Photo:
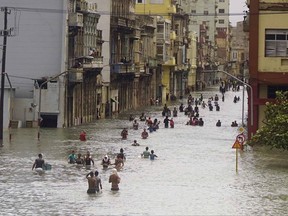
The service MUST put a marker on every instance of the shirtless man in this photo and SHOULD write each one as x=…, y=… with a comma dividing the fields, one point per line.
x=119, y=163
x=91, y=183
x=115, y=180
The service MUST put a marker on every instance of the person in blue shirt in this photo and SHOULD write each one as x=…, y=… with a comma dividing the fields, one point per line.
x=72, y=157
x=152, y=155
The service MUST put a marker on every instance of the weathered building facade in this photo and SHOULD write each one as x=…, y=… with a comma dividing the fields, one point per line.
x=268, y=64
x=84, y=83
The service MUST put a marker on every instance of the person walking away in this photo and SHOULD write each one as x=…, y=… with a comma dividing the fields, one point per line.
x=152, y=155
x=124, y=133
x=72, y=157
x=121, y=154
x=88, y=160
x=146, y=153
x=166, y=122
x=82, y=136
x=119, y=163
x=79, y=160
x=114, y=179
x=135, y=125
x=135, y=143
x=171, y=123
x=175, y=112
x=39, y=162
x=98, y=182
x=218, y=124
x=91, y=183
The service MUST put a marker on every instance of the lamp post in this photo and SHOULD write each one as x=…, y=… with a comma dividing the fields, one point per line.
x=39, y=102
x=11, y=110
x=251, y=90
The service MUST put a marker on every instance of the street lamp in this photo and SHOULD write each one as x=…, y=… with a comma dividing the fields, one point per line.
x=251, y=90
x=11, y=110
x=39, y=107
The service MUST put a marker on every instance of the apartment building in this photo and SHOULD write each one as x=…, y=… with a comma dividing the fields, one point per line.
x=36, y=51
x=268, y=63
x=176, y=45
x=84, y=84
x=222, y=34
x=239, y=53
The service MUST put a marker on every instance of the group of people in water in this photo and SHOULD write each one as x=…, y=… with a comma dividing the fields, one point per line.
x=191, y=110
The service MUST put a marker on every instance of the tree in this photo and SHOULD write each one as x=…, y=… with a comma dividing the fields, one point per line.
x=274, y=133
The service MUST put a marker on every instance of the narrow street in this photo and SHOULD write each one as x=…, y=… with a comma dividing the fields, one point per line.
x=194, y=173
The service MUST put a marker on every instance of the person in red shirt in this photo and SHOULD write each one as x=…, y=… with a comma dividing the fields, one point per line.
x=82, y=136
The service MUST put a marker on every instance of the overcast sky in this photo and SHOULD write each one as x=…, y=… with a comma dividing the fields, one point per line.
x=237, y=6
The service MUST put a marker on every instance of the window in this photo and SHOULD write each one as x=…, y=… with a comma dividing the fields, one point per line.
x=156, y=1
x=271, y=91
x=221, y=21
x=221, y=0
x=276, y=43
x=221, y=10
x=193, y=11
x=140, y=1
x=206, y=12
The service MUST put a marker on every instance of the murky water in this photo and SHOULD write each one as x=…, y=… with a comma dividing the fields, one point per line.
x=194, y=173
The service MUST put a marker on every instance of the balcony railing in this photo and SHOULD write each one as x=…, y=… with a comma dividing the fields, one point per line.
x=123, y=68
x=76, y=19
x=123, y=22
x=92, y=63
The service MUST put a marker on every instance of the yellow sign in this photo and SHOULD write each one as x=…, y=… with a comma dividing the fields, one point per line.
x=237, y=145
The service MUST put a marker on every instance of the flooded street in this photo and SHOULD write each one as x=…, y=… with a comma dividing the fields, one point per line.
x=194, y=173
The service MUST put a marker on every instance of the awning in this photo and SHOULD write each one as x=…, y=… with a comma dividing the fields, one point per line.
x=113, y=100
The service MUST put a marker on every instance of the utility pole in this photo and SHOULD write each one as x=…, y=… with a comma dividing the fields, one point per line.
x=5, y=34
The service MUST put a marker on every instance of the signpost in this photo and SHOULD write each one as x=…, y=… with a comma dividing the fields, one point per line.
x=238, y=144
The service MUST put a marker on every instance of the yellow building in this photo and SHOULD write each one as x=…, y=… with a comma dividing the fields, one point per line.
x=268, y=57
x=163, y=11
x=192, y=60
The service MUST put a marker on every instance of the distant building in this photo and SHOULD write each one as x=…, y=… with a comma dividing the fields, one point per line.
x=239, y=53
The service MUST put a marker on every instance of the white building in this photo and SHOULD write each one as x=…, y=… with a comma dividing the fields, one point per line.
x=35, y=52
x=203, y=12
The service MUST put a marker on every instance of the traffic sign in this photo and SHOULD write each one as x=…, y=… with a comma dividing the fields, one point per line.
x=237, y=145
x=241, y=138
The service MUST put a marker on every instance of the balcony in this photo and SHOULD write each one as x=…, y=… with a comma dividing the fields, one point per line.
x=122, y=22
x=90, y=62
x=123, y=68
x=83, y=6
x=75, y=75
x=76, y=19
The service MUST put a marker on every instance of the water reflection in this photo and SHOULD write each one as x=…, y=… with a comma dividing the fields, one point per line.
x=194, y=173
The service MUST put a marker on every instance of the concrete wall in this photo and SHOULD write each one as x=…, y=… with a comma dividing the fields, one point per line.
x=23, y=111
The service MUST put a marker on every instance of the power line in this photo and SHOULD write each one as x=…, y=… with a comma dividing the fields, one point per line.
x=45, y=10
